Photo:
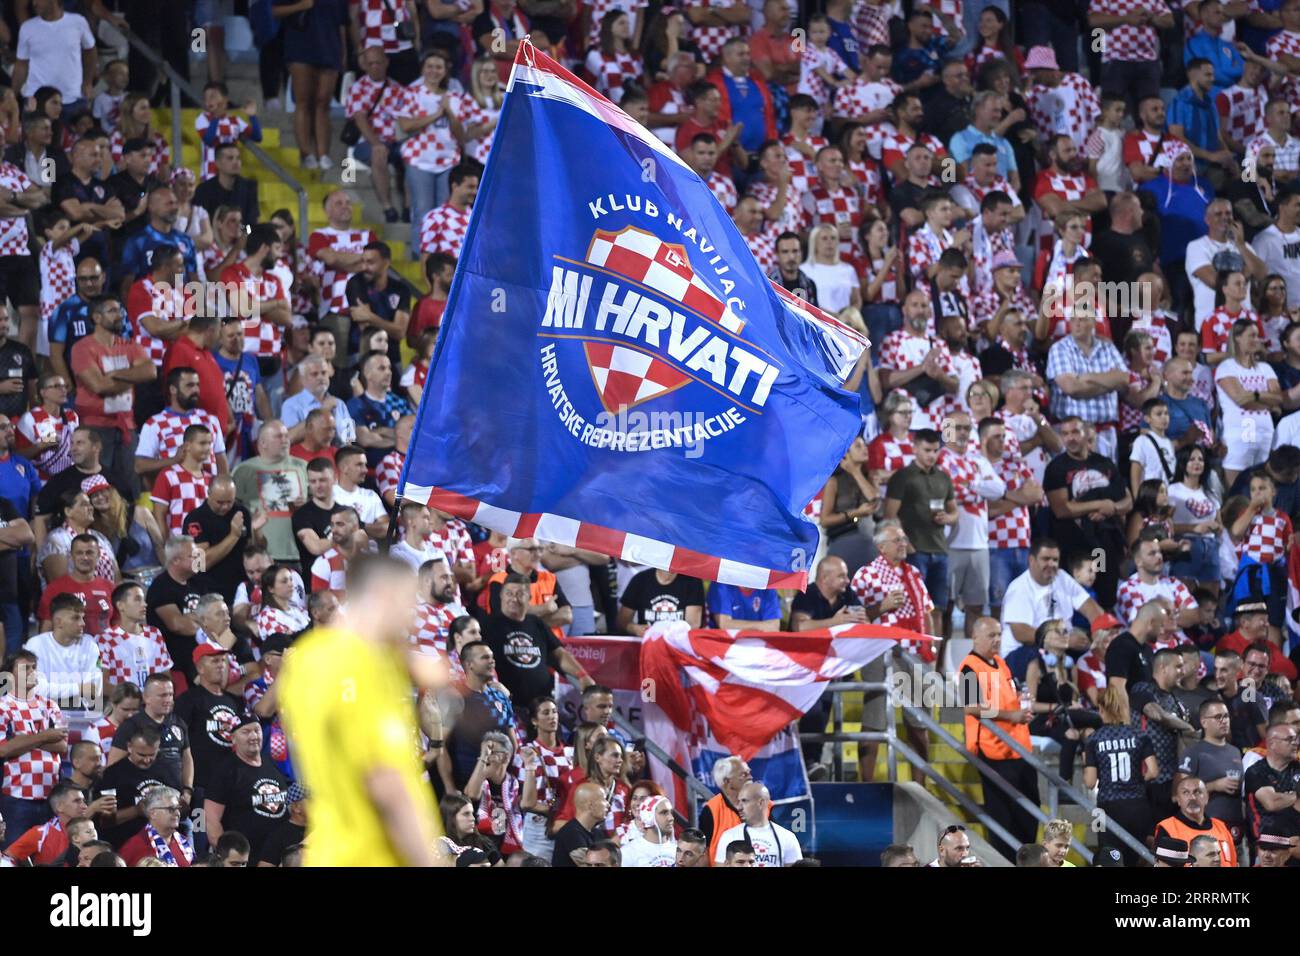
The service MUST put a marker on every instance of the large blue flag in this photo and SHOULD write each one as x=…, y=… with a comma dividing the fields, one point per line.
x=614, y=371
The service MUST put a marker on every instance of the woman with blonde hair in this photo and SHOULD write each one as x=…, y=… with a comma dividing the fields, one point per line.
x=131, y=529
x=136, y=122
x=191, y=219
x=838, y=286
x=482, y=108
x=1118, y=760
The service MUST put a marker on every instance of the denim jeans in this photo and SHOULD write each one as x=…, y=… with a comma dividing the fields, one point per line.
x=934, y=568
x=1005, y=565
x=11, y=616
x=584, y=621
x=21, y=815
x=427, y=191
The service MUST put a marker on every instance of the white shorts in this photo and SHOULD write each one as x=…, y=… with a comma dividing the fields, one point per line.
x=1242, y=455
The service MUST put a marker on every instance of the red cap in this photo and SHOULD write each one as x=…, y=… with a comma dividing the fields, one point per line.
x=1104, y=622
x=207, y=650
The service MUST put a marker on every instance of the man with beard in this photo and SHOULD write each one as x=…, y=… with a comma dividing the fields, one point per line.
x=920, y=363
x=1255, y=200
x=434, y=615
x=248, y=794
x=1065, y=186
x=162, y=435
x=108, y=368
x=379, y=299
x=251, y=282
x=789, y=255
x=137, y=255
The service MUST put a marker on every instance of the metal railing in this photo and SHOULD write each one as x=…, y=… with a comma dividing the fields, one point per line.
x=177, y=86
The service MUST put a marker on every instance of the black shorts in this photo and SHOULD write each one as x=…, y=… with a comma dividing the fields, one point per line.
x=20, y=280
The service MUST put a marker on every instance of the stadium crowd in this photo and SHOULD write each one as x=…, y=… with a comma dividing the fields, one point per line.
x=1080, y=434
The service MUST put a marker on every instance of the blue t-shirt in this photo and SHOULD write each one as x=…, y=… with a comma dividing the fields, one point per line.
x=744, y=604
x=1184, y=411
x=19, y=483
x=963, y=144
x=370, y=413
x=749, y=108
x=137, y=254
x=241, y=392
x=1182, y=214
x=844, y=41
x=71, y=323
x=1227, y=61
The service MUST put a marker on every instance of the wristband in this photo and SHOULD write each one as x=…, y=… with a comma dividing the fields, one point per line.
x=435, y=743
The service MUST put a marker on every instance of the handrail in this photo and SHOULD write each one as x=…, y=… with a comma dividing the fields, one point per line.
x=178, y=86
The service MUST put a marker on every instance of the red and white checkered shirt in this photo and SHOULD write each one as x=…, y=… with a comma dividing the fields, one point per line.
x=1127, y=42
x=1218, y=324
x=791, y=216
x=977, y=58
x=1241, y=111
x=924, y=247
x=389, y=471
x=58, y=276
x=973, y=508
x=180, y=491
x=31, y=775
x=212, y=257
x=876, y=580
x=555, y=763
x=476, y=114
x=810, y=82
x=894, y=146
x=1141, y=147
x=378, y=20
x=984, y=305
x=454, y=541
x=723, y=189
x=1090, y=671
x=434, y=148
x=887, y=453
x=1267, y=537
x=871, y=23
x=1069, y=188
x=862, y=97
x=132, y=657
x=1011, y=530
x=610, y=72
x=762, y=243
x=867, y=172
x=999, y=184
x=1288, y=42
x=163, y=434
x=710, y=39
x=334, y=283
x=230, y=129
x=329, y=572
x=13, y=229
x=38, y=421
x=1133, y=593
x=364, y=97
x=271, y=621
x=803, y=173
x=432, y=627
x=1130, y=418
x=157, y=300
x=832, y=207
x=261, y=338
x=1156, y=326
x=101, y=732
x=443, y=230
x=162, y=153
x=901, y=351
x=1071, y=108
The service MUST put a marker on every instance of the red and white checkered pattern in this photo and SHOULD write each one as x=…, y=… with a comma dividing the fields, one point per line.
x=972, y=529
x=832, y=207
x=644, y=257
x=443, y=230
x=887, y=453
x=101, y=732
x=1241, y=111
x=871, y=23
x=118, y=657
x=710, y=39
x=998, y=184
x=791, y=216
x=58, y=276
x=723, y=189
x=867, y=172
x=1218, y=324
x=13, y=230
x=1069, y=188
x=334, y=283
x=611, y=72
x=162, y=153
x=212, y=257
x=1141, y=147
x=31, y=775
x=163, y=434
x=230, y=129
x=365, y=97
x=762, y=243
x=810, y=81
x=1133, y=593
x=875, y=581
x=1267, y=537
x=1071, y=108
x=1288, y=42
x=1011, y=530
x=432, y=628
x=901, y=351
x=803, y=172
x=478, y=114
x=894, y=146
x=261, y=338
x=554, y=764
x=924, y=247
x=599, y=8
x=156, y=300
x=984, y=305
x=1156, y=326
x=619, y=544
x=434, y=148
x=329, y=572
x=862, y=97
x=389, y=471
x=1127, y=42
x=625, y=377
x=453, y=540
x=1130, y=418
x=272, y=621
x=977, y=58
x=37, y=421
x=378, y=20
x=180, y=491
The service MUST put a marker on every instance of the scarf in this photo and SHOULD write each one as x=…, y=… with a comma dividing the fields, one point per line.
x=504, y=821
x=163, y=851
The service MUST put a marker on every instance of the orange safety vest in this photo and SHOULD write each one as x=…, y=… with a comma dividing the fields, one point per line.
x=1179, y=830
x=539, y=592
x=998, y=689
x=724, y=818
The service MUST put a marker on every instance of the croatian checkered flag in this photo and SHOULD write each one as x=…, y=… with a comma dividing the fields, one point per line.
x=614, y=370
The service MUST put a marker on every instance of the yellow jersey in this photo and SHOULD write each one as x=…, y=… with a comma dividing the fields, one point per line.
x=346, y=705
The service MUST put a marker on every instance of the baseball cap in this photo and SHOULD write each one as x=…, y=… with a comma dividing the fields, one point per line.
x=94, y=483
x=1274, y=832
x=206, y=650
x=1005, y=260
x=1108, y=857
x=1171, y=851
x=1104, y=622
x=246, y=718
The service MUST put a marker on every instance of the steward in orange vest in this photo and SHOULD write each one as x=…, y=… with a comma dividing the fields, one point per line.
x=1191, y=820
x=989, y=690
x=720, y=814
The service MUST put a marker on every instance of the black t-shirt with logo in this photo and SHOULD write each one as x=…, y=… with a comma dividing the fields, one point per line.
x=132, y=783
x=256, y=798
x=1163, y=740
x=1095, y=478
x=175, y=739
x=210, y=718
x=523, y=651
x=205, y=526
x=167, y=590
x=652, y=601
x=311, y=516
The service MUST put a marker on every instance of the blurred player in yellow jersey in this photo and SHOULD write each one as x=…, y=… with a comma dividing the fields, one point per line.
x=348, y=707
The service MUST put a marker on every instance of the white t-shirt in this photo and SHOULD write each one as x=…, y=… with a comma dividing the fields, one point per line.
x=641, y=852
x=1242, y=427
x=1112, y=174
x=575, y=582
x=1191, y=505
x=52, y=49
x=368, y=504
x=773, y=844
x=1145, y=453
x=1202, y=253
x=1281, y=254
x=62, y=670
x=835, y=284
x=1031, y=603
x=971, y=533
x=1288, y=431
x=413, y=556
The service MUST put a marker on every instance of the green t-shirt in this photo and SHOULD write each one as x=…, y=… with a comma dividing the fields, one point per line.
x=920, y=494
x=275, y=488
